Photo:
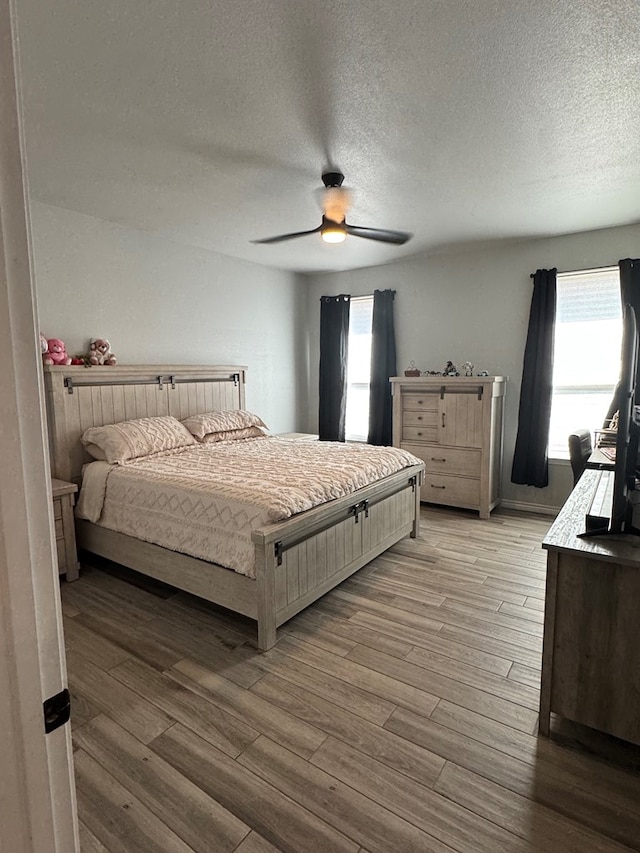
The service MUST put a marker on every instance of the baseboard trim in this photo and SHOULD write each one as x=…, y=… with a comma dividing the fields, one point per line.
x=521, y=506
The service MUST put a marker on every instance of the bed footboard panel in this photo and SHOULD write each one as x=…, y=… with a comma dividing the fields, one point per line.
x=324, y=559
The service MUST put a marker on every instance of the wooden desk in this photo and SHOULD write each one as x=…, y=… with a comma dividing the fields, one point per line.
x=591, y=646
x=598, y=460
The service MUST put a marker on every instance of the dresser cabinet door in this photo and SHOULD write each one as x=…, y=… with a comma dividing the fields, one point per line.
x=460, y=420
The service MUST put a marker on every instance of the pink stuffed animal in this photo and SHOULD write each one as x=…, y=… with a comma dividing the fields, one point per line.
x=56, y=352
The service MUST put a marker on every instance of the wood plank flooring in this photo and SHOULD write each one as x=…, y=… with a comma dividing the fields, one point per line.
x=397, y=714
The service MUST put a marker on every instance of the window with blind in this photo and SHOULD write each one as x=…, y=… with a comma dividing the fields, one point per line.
x=359, y=368
x=586, y=362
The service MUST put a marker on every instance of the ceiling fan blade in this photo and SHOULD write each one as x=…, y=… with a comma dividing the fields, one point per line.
x=282, y=237
x=380, y=234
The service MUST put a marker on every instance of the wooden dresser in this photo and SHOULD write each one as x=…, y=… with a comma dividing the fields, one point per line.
x=63, y=495
x=591, y=653
x=454, y=424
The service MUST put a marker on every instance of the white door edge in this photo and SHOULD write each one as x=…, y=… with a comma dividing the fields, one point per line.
x=37, y=794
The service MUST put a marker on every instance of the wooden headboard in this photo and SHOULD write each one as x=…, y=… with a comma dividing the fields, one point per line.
x=80, y=397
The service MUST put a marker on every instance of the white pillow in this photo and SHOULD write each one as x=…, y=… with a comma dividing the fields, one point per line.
x=132, y=439
x=96, y=452
x=210, y=422
x=234, y=434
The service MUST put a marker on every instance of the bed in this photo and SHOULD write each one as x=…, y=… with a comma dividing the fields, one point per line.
x=295, y=561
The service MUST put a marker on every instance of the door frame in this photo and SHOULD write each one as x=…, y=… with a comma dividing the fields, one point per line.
x=37, y=793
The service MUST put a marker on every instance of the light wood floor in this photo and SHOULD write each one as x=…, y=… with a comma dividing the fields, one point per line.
x=398, y=714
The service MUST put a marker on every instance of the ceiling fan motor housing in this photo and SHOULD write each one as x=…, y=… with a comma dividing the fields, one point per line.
x=332, y=179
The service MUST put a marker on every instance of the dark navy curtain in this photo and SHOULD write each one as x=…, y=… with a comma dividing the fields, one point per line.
x=383, y=365
x=530, y=461
x=334, y=346
x=629, y=294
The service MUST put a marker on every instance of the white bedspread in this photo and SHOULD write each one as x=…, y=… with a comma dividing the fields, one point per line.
x=206, y=500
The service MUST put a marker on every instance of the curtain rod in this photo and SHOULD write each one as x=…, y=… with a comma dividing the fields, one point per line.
x=577, y=272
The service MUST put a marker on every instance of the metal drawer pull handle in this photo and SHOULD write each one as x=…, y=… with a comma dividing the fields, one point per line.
x=433, y=486
x=419, y=433
x=420, y=402
x=435, y=459
x=443, y=415
x=419, y=417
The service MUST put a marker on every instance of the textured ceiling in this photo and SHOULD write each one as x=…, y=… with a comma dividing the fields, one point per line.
x=209, y=123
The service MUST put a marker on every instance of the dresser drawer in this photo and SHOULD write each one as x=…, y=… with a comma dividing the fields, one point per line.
x=450, y=490
x=451, y=460
x=420, y=402
x=62, y=498
x=420, y=418
x=62, y=556
x=57, y=508
x=59, y=527
x=425, y=433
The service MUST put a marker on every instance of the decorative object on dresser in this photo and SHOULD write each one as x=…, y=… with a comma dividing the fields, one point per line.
x=412, y=370
x=454, y=424
x=63, y=495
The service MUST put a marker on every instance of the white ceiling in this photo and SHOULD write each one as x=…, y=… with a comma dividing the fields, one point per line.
x=209, y=123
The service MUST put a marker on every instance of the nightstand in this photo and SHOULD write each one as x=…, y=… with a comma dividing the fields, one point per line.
x=300, y=436
x=63, y=495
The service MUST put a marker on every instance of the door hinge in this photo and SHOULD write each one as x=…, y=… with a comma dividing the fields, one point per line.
x=57, y=710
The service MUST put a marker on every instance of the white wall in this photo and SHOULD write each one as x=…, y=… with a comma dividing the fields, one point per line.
x=472, y=303
x=161, y=302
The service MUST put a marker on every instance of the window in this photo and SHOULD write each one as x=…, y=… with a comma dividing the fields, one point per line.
x=359, y=368
x=586, y=361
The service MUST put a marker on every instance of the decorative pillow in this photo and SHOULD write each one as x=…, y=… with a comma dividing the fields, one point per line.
x=233, y=434
x=208, y=422
x=131, y=439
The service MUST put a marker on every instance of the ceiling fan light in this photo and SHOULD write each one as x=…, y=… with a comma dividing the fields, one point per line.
x=333, y=233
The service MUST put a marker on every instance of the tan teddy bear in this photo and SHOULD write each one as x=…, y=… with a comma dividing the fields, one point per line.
x=100, y=352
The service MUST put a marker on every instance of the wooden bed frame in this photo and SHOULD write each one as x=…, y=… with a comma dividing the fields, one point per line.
x=297, y=560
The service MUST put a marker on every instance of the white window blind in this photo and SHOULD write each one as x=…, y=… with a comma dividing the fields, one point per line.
x=586, y=362
x=359, y=368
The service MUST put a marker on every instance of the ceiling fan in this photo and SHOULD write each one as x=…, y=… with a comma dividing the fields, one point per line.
x=334, y=227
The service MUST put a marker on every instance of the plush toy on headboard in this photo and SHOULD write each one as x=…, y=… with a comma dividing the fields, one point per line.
x=100, y=352
x=56, y=352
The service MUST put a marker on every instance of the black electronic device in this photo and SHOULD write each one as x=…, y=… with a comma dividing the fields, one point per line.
x=618, y=492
